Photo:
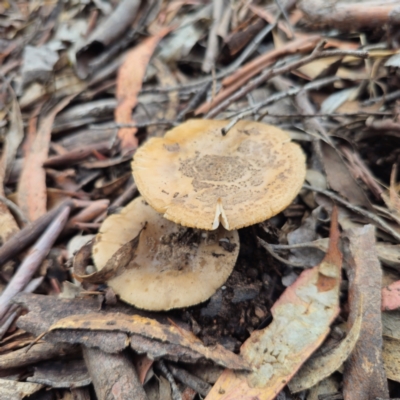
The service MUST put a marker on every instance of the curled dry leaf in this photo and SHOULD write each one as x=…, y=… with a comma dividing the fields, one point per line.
x=301, y=320
x=129, y=83
x=114, y=267
x=321, y=366
x=151, y=329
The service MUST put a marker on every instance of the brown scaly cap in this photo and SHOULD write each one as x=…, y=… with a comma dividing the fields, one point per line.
x=199, y=178
x=174, y=266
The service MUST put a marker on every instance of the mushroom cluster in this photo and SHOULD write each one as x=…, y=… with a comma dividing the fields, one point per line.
x=198, y=185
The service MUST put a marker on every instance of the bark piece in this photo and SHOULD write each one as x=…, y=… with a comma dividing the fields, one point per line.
x=45, y=310
x=17, y=390
x=61, y=374
x=38, y=352
x=113, y=376
x=364, y=376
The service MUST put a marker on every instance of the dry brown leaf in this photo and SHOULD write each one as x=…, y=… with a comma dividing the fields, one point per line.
x=115, y=266
x=339, y=177
x=326, y=363
x=32, y=196
x=301, y=320
x=151, y=329
x=364, y=375
x=129, y=83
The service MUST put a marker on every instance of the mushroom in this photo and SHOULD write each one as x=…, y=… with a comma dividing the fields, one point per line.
x=173, y=266
x=198, y=177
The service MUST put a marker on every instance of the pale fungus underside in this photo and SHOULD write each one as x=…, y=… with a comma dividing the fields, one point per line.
x=199, y=178
x=174, y=266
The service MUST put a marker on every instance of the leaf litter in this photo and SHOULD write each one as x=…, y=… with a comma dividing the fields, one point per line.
x=83, y=85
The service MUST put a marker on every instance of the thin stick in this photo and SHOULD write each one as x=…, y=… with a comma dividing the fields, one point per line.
x=278, y=96
x=195, y=101
x=279, y=258
x=285, y=15
x=33, y=260
x=176, y=394
x=246, y=53
x=270, y=73
x=190, y=380
x=121, y=200
x=29, y=233
x=378, y=221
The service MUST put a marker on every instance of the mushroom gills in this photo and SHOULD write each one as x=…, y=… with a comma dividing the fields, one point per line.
x=220, y=216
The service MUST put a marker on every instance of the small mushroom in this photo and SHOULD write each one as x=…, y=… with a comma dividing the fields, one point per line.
x=173, y=267
x=198, y=177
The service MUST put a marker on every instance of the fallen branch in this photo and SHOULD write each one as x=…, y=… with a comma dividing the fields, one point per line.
x=350, y=16
x=33, y=260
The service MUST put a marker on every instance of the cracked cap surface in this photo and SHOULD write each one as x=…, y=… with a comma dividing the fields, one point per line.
x=199, y=178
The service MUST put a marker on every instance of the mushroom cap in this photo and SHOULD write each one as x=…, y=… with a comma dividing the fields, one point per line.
x=197, y=177
x=174, y=266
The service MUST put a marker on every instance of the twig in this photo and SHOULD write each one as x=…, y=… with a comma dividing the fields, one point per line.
x=378, y=221
x=279, y=258
x=269, y=73
x=126, y=196
x=15, y=210
x=176, y=394
x=195, y=101
x=328, y=115
x=89, y=213
x=385, y=98
x=246, y=53
x=278, y=96
x=86, y=226
x=29, y=233
x=33, y=260
x=253, y=45
x=212, y=44
x=190, y=380
x=320, y=244
x=285, y=15
x=139, y=125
